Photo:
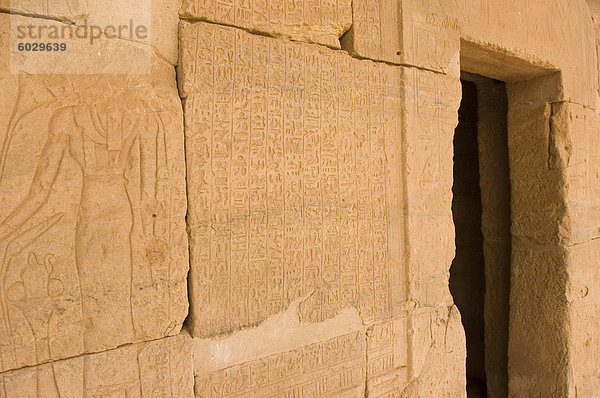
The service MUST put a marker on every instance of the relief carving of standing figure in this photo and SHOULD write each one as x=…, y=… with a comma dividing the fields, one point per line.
x=105, y=142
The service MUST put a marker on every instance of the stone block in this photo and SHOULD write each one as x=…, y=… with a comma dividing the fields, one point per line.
x=161, y=368
x=315, y=21
x=93, y=247
x=285, y=357
x=294, y=179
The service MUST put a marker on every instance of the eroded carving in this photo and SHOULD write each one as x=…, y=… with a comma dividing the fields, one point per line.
x=318, y=21
x=323, y=369
x=161, y=368
x=91, y=247
x=293, y=164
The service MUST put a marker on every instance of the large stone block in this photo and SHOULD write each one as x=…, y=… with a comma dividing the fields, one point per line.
x=431, y=105
x=93, y=247
x=316, y=21
x=285, y=357
x=531, y=37
x=161, y=368
x=294, y=179
x=423, y=356
x=157, y=19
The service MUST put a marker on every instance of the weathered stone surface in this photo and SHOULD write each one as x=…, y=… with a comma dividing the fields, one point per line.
x=284, y=356
x=93, y=248
x=59, y=9
x=538, y=297
x=436, y=347
x=432, y=102
x=320, y=192
x=287, y=193
x=161, y=368
x=317, y=21
x=158, y=19
x=427, y=33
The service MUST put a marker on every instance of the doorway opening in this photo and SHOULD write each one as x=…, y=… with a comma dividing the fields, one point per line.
x=480, y=272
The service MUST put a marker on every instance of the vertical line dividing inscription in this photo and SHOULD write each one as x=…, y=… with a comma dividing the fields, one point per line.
x=283, y=174
x=340, y=208
x=303, y=204
x=371, y=211
x=354, y=76
x=210, y=220
x=266, y=143
x=322, y=185
x=249, y=316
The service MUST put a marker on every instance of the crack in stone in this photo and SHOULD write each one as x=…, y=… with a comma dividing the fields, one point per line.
x=286, y=37
x=55, y=360
x=37, y=16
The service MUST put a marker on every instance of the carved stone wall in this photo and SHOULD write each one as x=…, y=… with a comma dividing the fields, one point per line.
x=253, y=198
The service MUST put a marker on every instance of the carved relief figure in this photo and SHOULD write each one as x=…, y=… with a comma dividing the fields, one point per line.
x=120, y=152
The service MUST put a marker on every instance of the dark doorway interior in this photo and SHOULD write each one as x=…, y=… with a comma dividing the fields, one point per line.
x=480, y=273
x=467, y=276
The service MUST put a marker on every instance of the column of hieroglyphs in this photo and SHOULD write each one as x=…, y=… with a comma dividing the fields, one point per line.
x=318, y=195
x=296, y=176
x=93, y=246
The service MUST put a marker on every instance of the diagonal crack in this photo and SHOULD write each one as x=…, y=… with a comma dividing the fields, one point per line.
x=37, y=16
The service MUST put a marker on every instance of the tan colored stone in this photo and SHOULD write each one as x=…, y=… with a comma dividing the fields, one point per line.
x=426, y=33
x=58, y=9
x=285, y=357
x=287, y=194
x=537, y=353
x=436, y=348
x=93, y=248
x=316, y=21
x=320, y=189
x=161, y=368
x=157, y=19
x=432, y=102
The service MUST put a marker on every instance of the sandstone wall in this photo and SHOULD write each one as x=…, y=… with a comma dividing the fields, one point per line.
x=255, y=199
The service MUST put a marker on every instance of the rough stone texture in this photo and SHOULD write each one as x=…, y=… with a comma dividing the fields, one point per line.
x=320, y=192
x=427, y=33
x=285, y=357
x=287, y=195
x=431, y=109
x=495, y=226
x=93, y=249
x=317, y=21
x=538, y=306
x=161, y=368
x=160, y=17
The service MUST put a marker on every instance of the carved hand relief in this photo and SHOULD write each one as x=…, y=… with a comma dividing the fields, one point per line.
x=293, y=177
x=317, y=21
x=161, y=368
x=93, y=251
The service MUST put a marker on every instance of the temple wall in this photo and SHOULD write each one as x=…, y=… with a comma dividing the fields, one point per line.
x=254, y=198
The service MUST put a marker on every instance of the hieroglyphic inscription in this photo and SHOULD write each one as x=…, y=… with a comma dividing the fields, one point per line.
x=320, y=21
x=367, y=25
x=294, y=179
x=323, y=369
x=388, y=356
x=54, y=8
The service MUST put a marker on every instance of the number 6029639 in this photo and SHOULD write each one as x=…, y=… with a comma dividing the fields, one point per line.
x=42, y=46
